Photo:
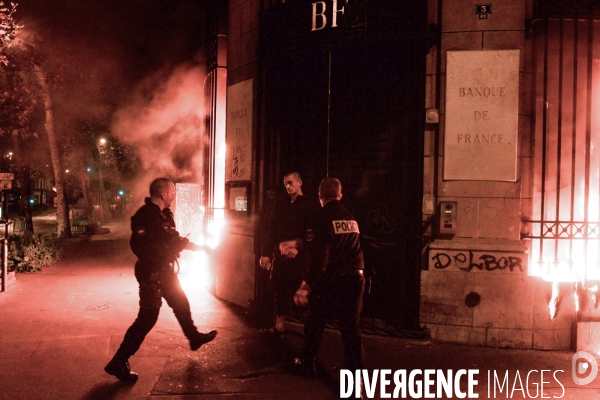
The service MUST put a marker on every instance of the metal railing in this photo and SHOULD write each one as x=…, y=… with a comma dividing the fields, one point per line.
x=563, y=226
x=564, y=230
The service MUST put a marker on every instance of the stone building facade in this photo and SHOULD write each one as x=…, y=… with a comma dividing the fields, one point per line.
x=463, y=135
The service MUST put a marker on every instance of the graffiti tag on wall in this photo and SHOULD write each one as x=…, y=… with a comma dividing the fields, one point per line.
x=470, y=260
x=380, y=220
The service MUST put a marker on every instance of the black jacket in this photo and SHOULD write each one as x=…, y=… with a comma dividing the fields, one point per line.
x=154, y=240
x=333, y=244
x=288, y=222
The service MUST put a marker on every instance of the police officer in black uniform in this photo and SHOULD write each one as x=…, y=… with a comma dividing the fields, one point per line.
x=333, y=285
x=157, y=245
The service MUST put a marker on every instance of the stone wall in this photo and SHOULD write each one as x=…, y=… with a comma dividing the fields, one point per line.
x=483, y=296
x=475, y=288
x=234, y=262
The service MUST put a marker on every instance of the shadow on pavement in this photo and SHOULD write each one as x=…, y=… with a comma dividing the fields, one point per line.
x=106, y=391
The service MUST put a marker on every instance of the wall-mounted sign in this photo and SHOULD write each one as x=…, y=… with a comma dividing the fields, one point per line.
x=334, y=13
x=482, y=115
x=238, y=199
x=7, y=176
x=238, y=161
x=483, y=10
x=5, y=185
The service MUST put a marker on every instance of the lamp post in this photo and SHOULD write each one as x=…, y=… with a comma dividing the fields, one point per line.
x=69, y=187
x=102, y=143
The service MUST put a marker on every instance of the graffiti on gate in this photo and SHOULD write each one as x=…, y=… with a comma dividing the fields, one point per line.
x=479, y=261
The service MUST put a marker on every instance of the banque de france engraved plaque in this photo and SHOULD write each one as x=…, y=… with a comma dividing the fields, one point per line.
x=482, y=115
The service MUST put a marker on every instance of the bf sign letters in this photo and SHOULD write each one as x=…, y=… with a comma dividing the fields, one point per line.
x=320, y=12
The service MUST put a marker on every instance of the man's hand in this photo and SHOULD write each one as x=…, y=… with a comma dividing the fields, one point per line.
x=291, y=253
x=289, y=248
x=265, y=263
x=301, y=295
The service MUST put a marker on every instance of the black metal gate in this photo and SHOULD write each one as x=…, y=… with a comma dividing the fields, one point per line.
x=349, y=103
x=565, y=227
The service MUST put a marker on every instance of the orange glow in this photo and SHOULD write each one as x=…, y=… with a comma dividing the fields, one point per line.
x=205, y=225
x=192, y=220
x=220, y=145
x=565, y=233
x=576, y=259
x=194, y=266
x=193, y=272
x=574, y=256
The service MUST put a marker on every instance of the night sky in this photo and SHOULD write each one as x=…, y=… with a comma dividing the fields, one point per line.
x=135, y=66
x=130, y=38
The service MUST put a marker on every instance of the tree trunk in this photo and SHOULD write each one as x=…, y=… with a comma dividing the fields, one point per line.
x=89, y=200
x=103, y=201
x=62, y=208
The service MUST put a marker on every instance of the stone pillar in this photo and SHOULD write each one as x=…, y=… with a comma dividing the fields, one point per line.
x=475, y=288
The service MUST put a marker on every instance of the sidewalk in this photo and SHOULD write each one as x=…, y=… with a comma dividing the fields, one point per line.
x=60, y=326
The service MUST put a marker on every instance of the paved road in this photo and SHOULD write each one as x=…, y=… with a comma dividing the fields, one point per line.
x=59, y=327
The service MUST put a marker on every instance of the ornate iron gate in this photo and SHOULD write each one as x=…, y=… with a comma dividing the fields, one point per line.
x=564, y=228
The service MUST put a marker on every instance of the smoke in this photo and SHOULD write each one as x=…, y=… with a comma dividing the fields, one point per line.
x=132, y=66
x=163, y=119
x=85, y=67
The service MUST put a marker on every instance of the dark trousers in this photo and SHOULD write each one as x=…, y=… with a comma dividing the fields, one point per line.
x=285, y=280
x=338, y=298
x=151, y=293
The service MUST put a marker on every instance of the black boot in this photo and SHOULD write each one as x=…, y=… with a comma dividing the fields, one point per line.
x=119, y=367
x=202, y=338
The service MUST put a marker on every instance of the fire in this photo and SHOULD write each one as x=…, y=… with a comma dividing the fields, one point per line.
x=569, y=251
x=201, y=228
x=193, y=271
x=194, y=266
x=574, y=255
x=204, y=226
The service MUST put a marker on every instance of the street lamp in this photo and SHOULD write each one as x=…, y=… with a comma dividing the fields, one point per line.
x=102, y=143
x=69, y=187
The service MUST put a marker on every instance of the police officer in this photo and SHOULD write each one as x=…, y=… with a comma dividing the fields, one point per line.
x=157, y=245
x=333, y=285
